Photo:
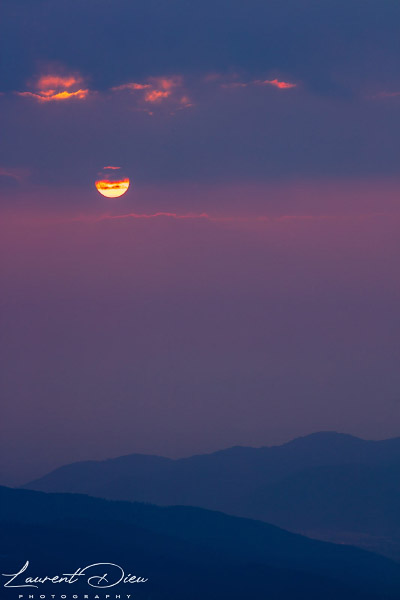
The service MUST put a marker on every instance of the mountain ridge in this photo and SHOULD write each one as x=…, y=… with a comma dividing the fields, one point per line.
x=188, y=538
x=276, y=484
x=301, y=440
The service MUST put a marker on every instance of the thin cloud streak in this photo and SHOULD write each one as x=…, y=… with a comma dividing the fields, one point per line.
x=50, y=97
x=383, y=95
x=16, y=173
x=279, y=84
x=229, y=219
x=131, y=86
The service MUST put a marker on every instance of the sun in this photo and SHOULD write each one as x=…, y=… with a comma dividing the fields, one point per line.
x=112, y=189
x=110, y=183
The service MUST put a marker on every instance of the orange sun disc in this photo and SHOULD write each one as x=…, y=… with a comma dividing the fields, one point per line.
x=112, y=189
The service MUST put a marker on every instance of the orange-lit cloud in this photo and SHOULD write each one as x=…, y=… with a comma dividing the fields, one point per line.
x=46, y=82
x=282, y=85
x=167, y=83
x=110, y=167
x=112, y=189
x=51, y=95
x=54, y=87
x=156, y=95
x=158, y=90
x=166, y=91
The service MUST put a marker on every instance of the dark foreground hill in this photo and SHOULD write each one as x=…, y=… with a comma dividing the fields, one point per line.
x=327, y=485
x=184, y=552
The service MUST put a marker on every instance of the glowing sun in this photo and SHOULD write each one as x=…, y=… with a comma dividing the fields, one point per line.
x=111, y=184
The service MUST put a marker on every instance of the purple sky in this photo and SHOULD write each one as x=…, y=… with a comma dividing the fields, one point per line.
x=264, y=302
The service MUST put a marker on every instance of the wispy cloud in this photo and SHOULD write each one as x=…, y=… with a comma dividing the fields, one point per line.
x=131, y=86
x=155, y=215
x=16, y=173
x=239, y=219
x=155, y=91
x=384, y=95
x=236, y=84
x=233, y=82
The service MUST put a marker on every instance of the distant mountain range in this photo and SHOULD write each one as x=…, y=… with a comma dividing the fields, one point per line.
x=184, y=552
x=326, y=485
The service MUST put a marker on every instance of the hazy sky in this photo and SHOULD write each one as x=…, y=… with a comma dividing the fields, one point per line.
x=263, y=303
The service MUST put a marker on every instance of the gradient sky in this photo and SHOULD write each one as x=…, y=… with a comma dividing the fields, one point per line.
x=245, y=290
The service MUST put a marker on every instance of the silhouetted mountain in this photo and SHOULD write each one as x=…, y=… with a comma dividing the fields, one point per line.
x=328, y=485
x=358, y=504
x=185, y=552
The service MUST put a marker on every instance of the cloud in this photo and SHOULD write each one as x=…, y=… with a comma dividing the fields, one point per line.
x=156, y=95
x=56, y=81
x=264, y=37
x=235, y=84
x=112, y=185
x=169, y=91
x=233, y=219
x=384, y=95
x=16, y=173
x=158, y=90
x=156, y=215
x=185, y=102
x=54, y=87
x=131, y=86
x=282, y=85
x=50, y=96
